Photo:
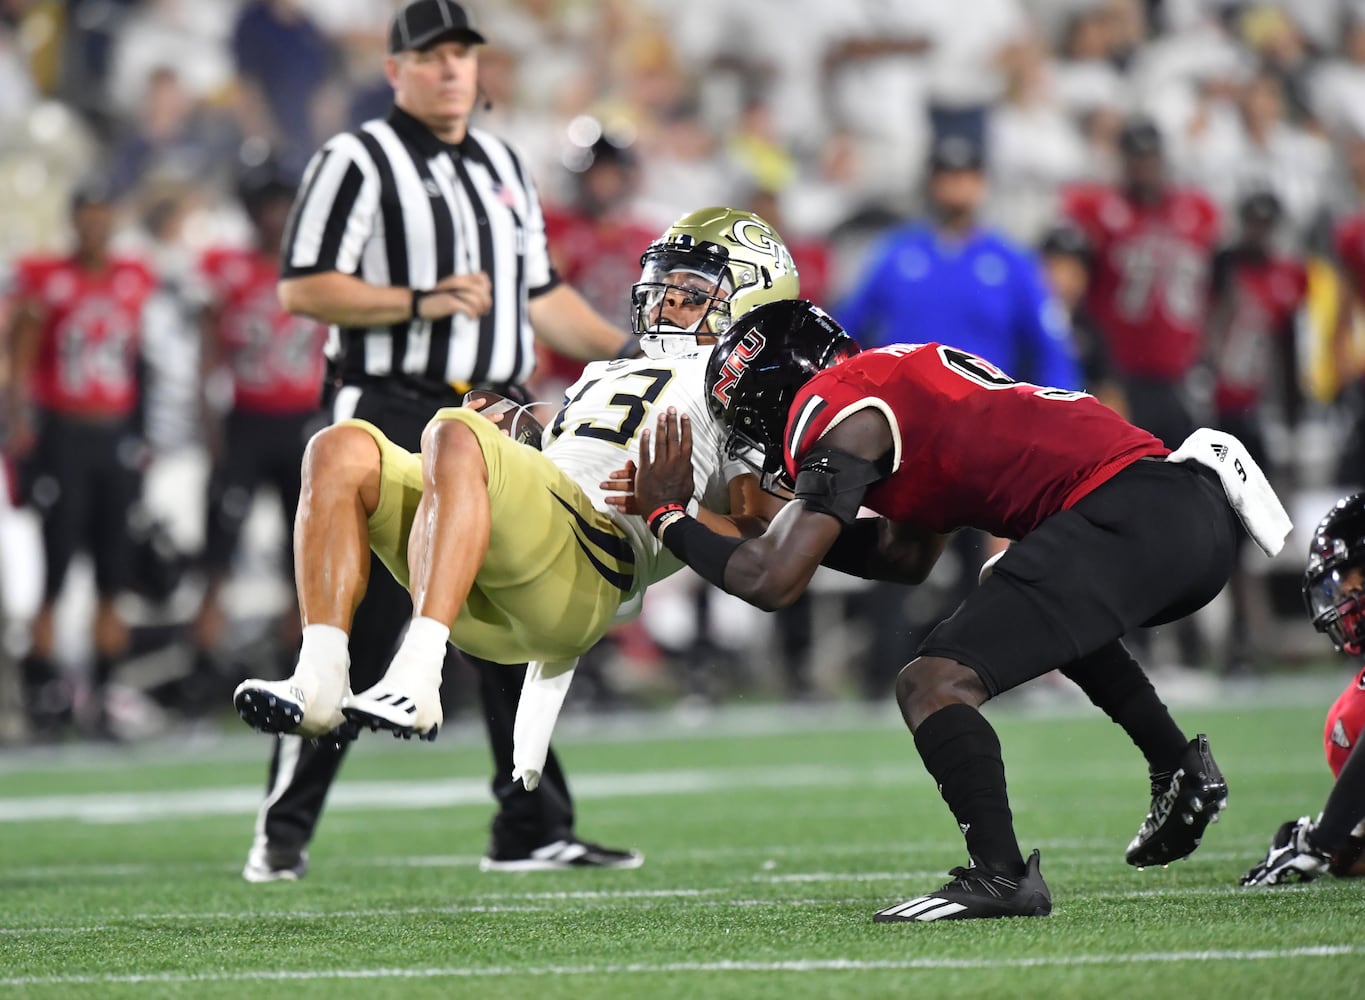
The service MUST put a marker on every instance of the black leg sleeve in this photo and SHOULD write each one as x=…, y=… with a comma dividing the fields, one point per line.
x=1114, y=682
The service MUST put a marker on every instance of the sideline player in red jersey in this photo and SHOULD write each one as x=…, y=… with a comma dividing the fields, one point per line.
x=1257, y=295
x=276, y=366
x=1149, y=294
x=1334, y=590
x=75, y=435
x=1107, y=537
x=1348, y=242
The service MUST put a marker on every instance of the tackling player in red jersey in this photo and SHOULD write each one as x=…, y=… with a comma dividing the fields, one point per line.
x=75, y=435
x=275, y=363
x=1334, y=591
x=1108, y=537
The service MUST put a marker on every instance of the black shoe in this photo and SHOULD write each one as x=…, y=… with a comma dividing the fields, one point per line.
x=49, y=709
x=559, y=855
x=1181, y=810
x=976, y=893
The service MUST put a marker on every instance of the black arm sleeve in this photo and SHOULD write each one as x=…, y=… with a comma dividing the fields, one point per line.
x=855, y=551
x=1345, y=804
x=834, y=482
x=699, y=547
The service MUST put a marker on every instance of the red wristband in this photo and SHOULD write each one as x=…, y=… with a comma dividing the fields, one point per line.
x=660, y=513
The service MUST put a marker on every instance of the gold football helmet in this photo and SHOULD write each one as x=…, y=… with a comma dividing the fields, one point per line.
x=707, y=270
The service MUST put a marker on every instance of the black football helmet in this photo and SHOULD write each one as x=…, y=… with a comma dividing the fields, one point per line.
x=1334, y=582
x=755, y=370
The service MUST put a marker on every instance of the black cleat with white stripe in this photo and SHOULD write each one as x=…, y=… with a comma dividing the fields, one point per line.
x=976, y=893
x=1182, y=809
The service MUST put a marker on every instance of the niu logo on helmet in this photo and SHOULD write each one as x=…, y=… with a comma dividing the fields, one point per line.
x=735, y=364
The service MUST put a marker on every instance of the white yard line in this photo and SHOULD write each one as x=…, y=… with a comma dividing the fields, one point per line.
x=770, y=857
x=154, y=806
x=536, y=902
x=675, y=968
x=425, y=794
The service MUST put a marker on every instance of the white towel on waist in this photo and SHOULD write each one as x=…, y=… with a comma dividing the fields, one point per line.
x=542, y=696
x=1248, y=490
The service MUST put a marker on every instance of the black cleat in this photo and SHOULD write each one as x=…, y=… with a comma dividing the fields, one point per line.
x=1181, y=810
x=976, y=893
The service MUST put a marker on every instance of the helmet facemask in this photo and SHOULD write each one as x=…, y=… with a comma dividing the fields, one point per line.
x=681, y=295
x=754, y=440
x=1334, y=590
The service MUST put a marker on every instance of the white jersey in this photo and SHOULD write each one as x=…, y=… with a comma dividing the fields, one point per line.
x=599, y=429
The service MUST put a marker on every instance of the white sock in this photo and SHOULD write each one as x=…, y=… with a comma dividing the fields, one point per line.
x=422, y=654
x=324, y=661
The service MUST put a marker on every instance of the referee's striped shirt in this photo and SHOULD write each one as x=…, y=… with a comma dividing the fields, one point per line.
x=394, y=205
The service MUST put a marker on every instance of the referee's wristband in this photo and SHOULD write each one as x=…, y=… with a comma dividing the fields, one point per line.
x=418, y=294
x=694, y=543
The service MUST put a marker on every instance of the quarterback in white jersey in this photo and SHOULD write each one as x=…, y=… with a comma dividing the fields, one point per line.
x=515, y=555
x=589, y=441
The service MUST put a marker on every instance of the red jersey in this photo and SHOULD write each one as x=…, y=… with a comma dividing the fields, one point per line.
x=1261, y=295
x=601, y=260
x=1349, y=242
x=814, y=266
x=973, y=447
x=1149, y=290
x=275, y=358
x=91, y=328
x=1345, y=724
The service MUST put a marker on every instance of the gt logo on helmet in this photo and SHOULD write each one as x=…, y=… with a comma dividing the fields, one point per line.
x=756, y=236
x=735, y=365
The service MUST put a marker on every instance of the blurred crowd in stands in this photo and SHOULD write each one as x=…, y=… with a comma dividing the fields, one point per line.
x=1160, y=198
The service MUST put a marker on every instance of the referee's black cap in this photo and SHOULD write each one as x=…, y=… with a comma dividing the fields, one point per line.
x=423, y=23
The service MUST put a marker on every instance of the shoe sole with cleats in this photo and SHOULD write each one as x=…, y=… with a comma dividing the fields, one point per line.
x=389, y=711
x=1198, y=793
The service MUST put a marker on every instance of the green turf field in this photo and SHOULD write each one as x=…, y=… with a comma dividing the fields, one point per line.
x=771, y=838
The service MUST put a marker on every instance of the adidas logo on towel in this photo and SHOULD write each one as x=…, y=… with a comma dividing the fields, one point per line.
x=1221, y=450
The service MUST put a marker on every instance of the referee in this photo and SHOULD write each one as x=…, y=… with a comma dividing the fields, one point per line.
x=420, y=241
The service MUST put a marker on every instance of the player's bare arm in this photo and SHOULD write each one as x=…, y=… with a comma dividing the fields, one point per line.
x=772, y=570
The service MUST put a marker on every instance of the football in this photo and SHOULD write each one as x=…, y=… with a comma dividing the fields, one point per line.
x=514, y=419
